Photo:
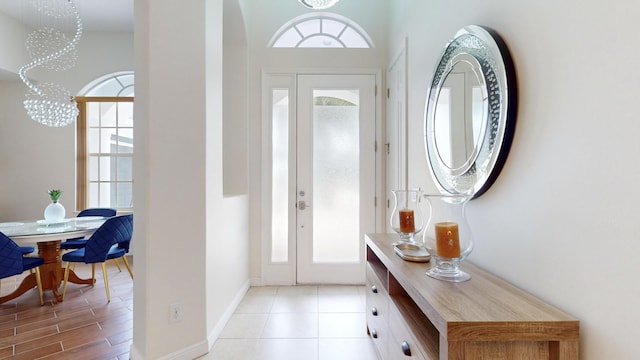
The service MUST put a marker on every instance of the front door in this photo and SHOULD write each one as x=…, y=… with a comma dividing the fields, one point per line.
x=335, y=181
x=320, y=182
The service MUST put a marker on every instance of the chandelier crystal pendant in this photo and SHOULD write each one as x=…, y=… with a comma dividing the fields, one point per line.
x=49, y=47
x=318, y=4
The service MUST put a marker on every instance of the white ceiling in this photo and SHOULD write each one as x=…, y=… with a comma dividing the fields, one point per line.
x=96, y=15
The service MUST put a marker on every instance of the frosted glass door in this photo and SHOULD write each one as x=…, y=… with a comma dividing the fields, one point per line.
x=335, y=176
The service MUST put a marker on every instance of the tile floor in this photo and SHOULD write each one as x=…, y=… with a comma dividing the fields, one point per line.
x=297, y=322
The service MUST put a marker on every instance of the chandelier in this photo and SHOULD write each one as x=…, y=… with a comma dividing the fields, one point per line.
x=318, y=4
x=50, y=48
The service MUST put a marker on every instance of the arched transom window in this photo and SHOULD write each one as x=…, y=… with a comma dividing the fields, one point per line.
x=321, y=30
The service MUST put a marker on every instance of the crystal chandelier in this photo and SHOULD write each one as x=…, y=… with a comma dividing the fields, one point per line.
x=318, y=4
x=49, y=47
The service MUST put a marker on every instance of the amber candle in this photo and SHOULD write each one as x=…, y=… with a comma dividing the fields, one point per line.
x=407, y=225
x=447, y=241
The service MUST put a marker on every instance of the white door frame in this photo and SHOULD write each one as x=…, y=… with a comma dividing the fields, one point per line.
x=284, y=273
x=396, y=146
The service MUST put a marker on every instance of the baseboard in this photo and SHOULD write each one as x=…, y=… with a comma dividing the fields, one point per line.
x=203, y=347
x=217, y=330
x=133, y=353
x=189, y=353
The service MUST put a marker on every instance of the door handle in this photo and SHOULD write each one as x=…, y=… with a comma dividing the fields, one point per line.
x=301, y=205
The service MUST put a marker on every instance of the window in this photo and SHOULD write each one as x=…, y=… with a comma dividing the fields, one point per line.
x=105, y=144
x=321, y=30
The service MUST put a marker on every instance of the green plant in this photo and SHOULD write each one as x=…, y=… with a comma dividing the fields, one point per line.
x=54, y=194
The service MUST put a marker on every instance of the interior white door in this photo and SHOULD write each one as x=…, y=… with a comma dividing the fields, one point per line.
x=335, y=167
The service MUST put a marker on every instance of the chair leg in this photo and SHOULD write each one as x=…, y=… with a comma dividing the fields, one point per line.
x=115, y=261
x=39, y=282
x=126, y=263
x=106, y=280
x=66, y=278
x=93, y=273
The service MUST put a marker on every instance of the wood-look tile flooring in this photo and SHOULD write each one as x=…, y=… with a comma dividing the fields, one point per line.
x=83, y=326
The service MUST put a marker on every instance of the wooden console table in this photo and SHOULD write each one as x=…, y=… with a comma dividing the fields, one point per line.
x=412, y=316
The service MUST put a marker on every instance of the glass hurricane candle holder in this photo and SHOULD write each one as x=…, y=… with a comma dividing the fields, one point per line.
x=406, y=217
x=447, y=236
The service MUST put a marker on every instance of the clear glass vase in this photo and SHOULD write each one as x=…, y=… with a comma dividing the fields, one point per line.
x=447, y=236
x=54, y=211
x=406, y=218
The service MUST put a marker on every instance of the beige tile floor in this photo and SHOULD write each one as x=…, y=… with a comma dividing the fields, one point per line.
x=297, y=322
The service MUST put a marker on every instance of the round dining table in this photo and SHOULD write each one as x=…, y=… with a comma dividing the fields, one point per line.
x=48, y=235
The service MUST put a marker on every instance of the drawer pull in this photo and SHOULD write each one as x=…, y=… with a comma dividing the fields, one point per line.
x=406, y=349
x=374, y=311
x=374, y=289
x=374, y=333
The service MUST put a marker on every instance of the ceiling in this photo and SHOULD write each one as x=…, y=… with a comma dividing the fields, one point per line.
x=96, y=15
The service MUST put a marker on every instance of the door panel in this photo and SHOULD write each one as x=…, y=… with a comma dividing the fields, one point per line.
x=396, y=145
x=335, y=176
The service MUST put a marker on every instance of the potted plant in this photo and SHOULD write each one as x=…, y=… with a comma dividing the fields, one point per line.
x=54, y=194
x=54, y=211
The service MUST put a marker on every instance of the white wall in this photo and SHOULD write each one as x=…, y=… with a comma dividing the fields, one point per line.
x=561, y=221
x=193, y=242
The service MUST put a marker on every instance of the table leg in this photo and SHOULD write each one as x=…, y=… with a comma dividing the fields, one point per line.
x=52, y=269
x=27, y=283
x=73, y=277
x=51, y=273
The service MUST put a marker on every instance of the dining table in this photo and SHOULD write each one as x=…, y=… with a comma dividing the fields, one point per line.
x=48, y=235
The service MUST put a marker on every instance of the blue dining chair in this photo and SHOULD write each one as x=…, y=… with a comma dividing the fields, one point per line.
x=26, y=250
x=12, y=262
x=78, y=243
x=102, y=246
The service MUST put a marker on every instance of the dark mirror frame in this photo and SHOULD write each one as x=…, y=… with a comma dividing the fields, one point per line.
x=491, y=150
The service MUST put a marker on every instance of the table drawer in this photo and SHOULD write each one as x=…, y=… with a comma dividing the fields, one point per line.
x=376, y=292
x=377, y=304
x=403, y=343
x=379, y=334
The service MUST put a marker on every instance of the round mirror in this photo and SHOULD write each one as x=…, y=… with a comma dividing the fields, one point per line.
x=470, y=112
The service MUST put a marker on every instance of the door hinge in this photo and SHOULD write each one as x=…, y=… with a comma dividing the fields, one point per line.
x=375, y=146
x=375, y=90
x=388, y=146
x=388, y=93
x=375, y=201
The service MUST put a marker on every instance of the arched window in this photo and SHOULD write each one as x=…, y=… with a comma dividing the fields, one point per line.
x=105, y=143
x=321, y=30
x=117, y=84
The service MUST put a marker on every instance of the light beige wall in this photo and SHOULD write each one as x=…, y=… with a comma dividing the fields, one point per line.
x=34, y=157
x=236, y=157
x=12, y=37
x=235, y=101
x=561, y=221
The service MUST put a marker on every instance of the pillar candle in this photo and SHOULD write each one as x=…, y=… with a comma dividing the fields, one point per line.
x=407, y=224
x=447, y=241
